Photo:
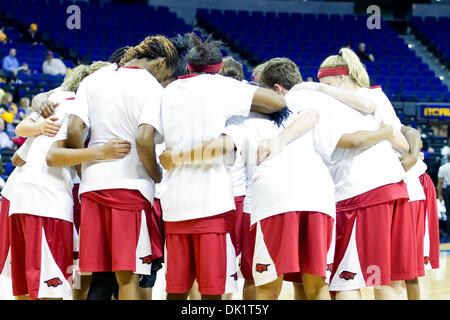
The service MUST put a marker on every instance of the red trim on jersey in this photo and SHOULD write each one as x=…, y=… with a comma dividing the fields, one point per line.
x=133, y=67
x=70, y=98
x=338, y=71
x=375, y=87
x=212, y=68
x=188, y=76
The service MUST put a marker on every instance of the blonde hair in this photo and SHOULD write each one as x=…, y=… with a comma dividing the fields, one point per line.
x=347, y=58
x=73, y=79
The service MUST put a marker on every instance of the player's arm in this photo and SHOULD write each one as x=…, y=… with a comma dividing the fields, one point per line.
x=208, y=150
x=365, y=138
x=304, y=122
x=145, y=145
x=75, y=139
x=412, y=137
x=41, y=104
x=350, y=98
x=439, y=187
x=60, y=156
x=29, y=128
x=267, y=101
x=17, y=161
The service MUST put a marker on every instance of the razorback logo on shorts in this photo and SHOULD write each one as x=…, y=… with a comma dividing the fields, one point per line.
x=146, y=259
x=330, y=267
x=234, y=276
x=426, y=260
x=347, y=275
x=75, y=255
x=261, y=267
x=54, y=282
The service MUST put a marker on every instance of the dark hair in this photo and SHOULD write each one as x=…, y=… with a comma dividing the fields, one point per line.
x=203, y=53
x=282, y=71
x=151, y=48
x=118, y=54
x=232, y=68
x=278, y=117
x=183, y=44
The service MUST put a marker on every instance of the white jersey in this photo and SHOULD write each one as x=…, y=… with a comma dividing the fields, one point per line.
x=195, y=110
x=354, y=171
x=160, y=187
x=39, y=189
x=296, y=179
x=384, y=112
x=22, y=152
x=110, y=102
x=237, y=170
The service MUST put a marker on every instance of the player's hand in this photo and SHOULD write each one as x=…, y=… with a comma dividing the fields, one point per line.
x=49, y=127
x=47, y=108
x=115, y=148
x=307, y=85
x=408, y=161
x=441, y=199
x=165, y=159
x=267, y=149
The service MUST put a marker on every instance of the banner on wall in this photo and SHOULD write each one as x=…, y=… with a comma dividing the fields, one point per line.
x=435, y=111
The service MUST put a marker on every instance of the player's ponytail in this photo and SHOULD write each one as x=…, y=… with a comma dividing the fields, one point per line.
x=347, y=58
x=152, y=48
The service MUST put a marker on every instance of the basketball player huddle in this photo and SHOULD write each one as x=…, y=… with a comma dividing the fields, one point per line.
x=164, y=156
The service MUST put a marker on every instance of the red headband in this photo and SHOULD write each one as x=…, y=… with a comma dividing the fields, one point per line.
x=338, y=71
x=211, y=68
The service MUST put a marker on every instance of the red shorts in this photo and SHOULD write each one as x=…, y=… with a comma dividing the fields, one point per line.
x=115, y=232
x=291, y=243
x=248, y=248
x=41, y=256
x=76, y=207
x=201, y=249
x=417, y=211
x=5, y=243
x=431, y=239
x=374, y=239
x=236, y=236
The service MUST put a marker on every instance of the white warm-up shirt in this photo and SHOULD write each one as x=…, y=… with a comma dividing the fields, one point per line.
x=384, y=112
x=111, y=102
x=354, y=171
x=296, y=179
x=237, y=170
x=37, y=188
x=195, y=110
x=22, y=152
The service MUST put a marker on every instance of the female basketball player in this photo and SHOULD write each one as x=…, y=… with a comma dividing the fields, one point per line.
x=371, y=202
x=198, y=199
x=42, y=217
x=117, y=196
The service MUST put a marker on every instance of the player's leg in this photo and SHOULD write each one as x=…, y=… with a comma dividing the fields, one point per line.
x=348, y=295
x=395, y=291
x=269, y=291
x=248, y=292
x=299, y=291
x=128, y=283
x=315, y=287
x=413, y=289
x=82, y=293
x=316, y=232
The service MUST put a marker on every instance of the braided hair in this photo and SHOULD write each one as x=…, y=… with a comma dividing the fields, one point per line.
x=152, y=47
